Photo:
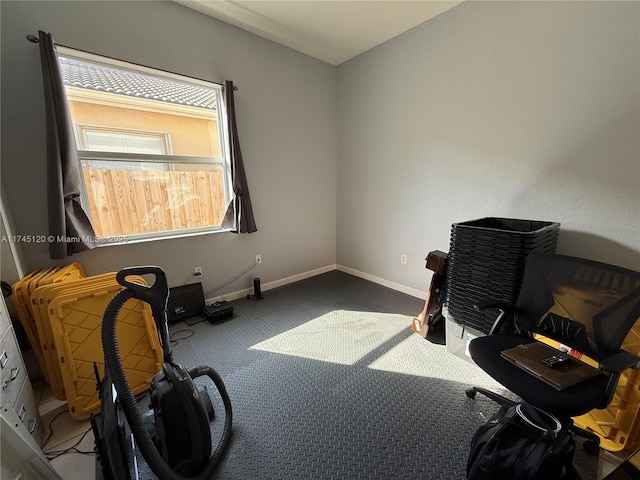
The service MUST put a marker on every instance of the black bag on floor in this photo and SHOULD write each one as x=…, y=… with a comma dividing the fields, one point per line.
x=521, y=442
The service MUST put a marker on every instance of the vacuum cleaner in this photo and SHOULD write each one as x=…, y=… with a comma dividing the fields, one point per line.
x=173, y=432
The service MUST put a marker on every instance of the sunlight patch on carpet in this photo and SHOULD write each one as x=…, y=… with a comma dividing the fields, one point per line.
x=417, y=356
x=340, y=336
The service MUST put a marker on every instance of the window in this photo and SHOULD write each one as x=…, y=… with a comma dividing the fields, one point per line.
x=114, y=140
x=152, y=146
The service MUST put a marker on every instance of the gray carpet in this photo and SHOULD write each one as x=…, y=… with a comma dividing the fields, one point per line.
x=328, y=382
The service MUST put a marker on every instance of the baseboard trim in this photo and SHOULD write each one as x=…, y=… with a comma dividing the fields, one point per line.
x=318, y=271
x=381, y=281
x=274, y=284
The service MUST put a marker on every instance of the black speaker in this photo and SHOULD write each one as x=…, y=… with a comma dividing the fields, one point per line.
x=257, y=293
x=184, y=302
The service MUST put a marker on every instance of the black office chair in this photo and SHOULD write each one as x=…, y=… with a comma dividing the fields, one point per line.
x=586, y=305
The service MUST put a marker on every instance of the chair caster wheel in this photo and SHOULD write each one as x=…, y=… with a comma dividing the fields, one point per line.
x=471, y=393
x=592, y=447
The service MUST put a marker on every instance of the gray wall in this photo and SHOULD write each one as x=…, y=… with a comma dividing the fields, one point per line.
x=513, y=109
x=508, y=109
x=287, y=116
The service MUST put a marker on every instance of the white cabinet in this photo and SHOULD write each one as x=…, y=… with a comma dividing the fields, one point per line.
x=22, y=458
x=16, y=391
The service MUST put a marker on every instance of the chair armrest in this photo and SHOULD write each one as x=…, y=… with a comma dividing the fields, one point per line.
x=619, y=361
x=503, y=308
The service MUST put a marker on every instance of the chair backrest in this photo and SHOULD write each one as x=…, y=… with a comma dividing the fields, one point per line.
x=587, y=305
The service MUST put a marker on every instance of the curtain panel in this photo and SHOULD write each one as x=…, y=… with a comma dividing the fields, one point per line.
x=239, y=215
x=70, y=229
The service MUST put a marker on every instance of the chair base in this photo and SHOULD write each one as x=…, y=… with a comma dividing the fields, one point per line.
x=496, y=397
x=591, y=443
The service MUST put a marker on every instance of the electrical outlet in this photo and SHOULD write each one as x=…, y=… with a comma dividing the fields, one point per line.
x=403, y=259
x=258, y=258
x=197, y=272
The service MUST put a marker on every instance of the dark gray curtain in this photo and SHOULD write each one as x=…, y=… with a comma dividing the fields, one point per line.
x=239, y=215
x=69, y=226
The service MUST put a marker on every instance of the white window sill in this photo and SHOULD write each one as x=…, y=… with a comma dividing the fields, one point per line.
x=129, y=240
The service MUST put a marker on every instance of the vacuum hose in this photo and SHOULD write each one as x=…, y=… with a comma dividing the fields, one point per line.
x=113, y=363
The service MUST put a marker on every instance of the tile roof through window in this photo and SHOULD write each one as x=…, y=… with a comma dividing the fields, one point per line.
x=101, y=78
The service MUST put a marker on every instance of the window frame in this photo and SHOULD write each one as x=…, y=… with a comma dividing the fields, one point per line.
x=87, y=155
x=84, y=129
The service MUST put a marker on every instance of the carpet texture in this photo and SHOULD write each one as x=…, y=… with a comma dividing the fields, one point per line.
x=327, y=381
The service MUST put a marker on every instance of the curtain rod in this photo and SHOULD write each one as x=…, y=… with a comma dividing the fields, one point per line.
x=34, y=39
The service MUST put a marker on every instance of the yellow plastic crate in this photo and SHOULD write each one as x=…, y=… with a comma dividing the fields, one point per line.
x=40, y=299
x=21, y=299
x=76, y=320
x=618, y=425
x=68, y=273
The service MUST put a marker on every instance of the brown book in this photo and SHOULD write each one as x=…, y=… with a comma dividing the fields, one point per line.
x=531, y=356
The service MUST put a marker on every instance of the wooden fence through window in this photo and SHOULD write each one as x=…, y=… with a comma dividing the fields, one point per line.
x=126, y=202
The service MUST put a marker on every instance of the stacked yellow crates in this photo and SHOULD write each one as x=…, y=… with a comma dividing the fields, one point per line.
x=21, y=299
x=617, y=425
x=63, y=317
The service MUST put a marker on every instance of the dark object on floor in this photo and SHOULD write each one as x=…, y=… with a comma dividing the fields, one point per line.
x=217, y=311
x=431, y=318
x=6, y=289
x=587, y=306
x=174, y=435
x=184, y=302
x=111, y=433
x=524, y=443
x=257, y=293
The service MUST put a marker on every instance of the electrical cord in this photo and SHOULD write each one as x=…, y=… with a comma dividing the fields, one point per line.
x=57, y=453
x=51, y=426
x=209, y=292
x=188, y=334
x=228, y=282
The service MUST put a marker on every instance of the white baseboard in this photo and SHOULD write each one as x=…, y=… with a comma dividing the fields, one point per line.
x=381, y=281
x=318, y=271
x=270, y=285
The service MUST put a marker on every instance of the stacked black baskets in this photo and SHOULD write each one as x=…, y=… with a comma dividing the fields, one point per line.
x=486, y=260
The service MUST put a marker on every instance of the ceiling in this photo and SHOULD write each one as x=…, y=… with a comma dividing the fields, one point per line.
x=331, y=31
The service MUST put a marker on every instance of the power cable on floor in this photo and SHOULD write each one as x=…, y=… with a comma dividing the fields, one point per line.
x=188, y=333
x=57, y=453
